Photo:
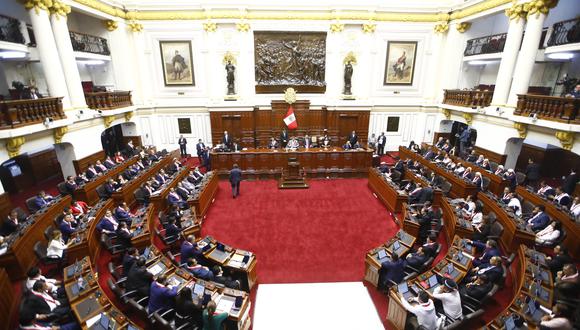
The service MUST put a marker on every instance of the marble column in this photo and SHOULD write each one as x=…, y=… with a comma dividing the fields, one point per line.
x=47, y=51
x=68, y=60
x=510, y=54
x=121, y=44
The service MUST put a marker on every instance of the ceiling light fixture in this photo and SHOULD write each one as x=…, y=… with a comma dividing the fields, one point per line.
x=561, y=56
x=479, y=62
x=12, y=54
x=92, y=62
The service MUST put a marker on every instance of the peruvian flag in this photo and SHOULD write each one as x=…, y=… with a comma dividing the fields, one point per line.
x=290, y=119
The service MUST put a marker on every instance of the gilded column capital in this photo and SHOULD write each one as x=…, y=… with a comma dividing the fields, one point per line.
x=522, y=129
x=59, y=9
x=229, y=57
x=441, y=27
x=566, y=139
x=515, y=12
x=37, y=5
x=59, y=132
x=108, y=120
x=468, y=118
x=243, y=26
x=336, y=27
x=462, y=27
x=13, y=145
x=129, y=115
x=135, y=26
x=210, y=26
x=537, y=7
x=446, y=113
x=369, y=27
x=350, y=58
x=111, y=25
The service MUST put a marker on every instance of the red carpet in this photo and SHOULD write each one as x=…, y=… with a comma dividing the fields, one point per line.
x=319, y=234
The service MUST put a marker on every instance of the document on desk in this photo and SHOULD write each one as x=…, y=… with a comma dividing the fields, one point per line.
x=225, y=304
x=93, y=320
x=155, y=269
x=236, y=261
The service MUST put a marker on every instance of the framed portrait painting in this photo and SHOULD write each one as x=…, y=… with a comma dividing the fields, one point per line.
x=177, y=63
x=400, y=66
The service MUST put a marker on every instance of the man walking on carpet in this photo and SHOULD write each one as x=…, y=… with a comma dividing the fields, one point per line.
x=235, y=179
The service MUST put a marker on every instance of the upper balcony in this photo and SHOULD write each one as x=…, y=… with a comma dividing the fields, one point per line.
x=553, y=108
x=19, y=113
x=468, y=98
x=89, y=44
x=108, y=100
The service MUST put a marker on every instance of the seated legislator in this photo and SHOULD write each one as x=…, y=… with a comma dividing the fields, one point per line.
x=35, y=274
x=139, y=279
x=448, y=294
x=211, y=319
x=567, y=284
x=561, y=197
x=188, y=186
x=472, y=157
x=510, y=175
x=40, y=301
x=129, y=259
x=174, y=166
x=423, y=309
x=42, y=200
x=109, y=163
x=174, y=199
x=347, y=146
x=485, y=165
x=500, y=171
x=10, y=224
x=109, y=188
x=559, y=318
x=198, y=270
x=324, y=140
x=123, y=212
x=478, y=181
x=78, y=208
x=124, y=235
x=430, y=246
x=477, y=288
x=481, y=232
x=225, y=280
x=539, y=220
x=182, y=191
x=187, y=309
x=489, y=250
x=507, y=195
x=550, y=234
x=190, y=250
x=293, y=144
x=67, y=227
x=91, y=172
x=416, y=260
x=575, y=208
x=161, y=295
x=172, y=231
x=56, y=247
x=479, y=160
x=307, y=142
x=492, y=270
x=108, y=224
x=119, y=158
x=391, y=271
x=558, y=260
x=70, y=184
x=273, y=144
x=100, y=167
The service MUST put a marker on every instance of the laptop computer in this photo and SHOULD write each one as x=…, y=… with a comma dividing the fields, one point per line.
x=509, y=323
x=198, y=290
x=396, y=245
x=105, y=321
x=433, y=281
x=382, y=254
x=146, y=252
x=403, y=288
x=450, y=268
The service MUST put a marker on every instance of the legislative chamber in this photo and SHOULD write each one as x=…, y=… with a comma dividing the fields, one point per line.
x=191, y=165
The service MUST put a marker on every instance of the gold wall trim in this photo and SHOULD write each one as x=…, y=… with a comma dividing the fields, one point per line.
x=291, y=14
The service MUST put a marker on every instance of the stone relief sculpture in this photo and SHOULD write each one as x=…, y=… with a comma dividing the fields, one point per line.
x=290, y=59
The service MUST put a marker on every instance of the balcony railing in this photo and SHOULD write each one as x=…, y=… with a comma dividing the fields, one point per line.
x=485, y=45
x=108, y=100
x=10, y=30
x=468, y=98
x=90, y=44
x=20, y=113
x=562, y=109
x=565, y=32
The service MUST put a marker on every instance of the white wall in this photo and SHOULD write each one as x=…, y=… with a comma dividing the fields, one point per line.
x=26, y=72
x=414, y=125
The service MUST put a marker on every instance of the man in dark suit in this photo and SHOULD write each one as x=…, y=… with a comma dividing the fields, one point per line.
x=532, y=173
x=464, y=140
x=417, y=260
x=124, y=235
x=430, y=155
x=561, y=197
x=161, y=295
x=284, y=138
x=539, y=220
x=40, y=301
x=190, y=250
x=235, y=179
x=109, y=163
x=227, y=140
x=391, y=270
x=430, y=246
x=477, y=289
x=440, y=142
x=131, y=256
x=381, y=142
x=400, y=166
x=307, y=141
x=545, y=190
x=91, y=172
x=10, y=224
x=130, y=149
x=182, y=146
x=109, y=187
x=353, y=138
x=70, y=185
x=273, y=144
x=42, y=200
x=492, y=270
x=174, y=199
x=138, y=278
x=66, y=227
x=570, y=181
x=560, y=258
x=489, y=248
x=199, y=147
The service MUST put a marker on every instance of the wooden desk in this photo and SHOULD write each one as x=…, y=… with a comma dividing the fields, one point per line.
x=125, y=194
x=267, y=163
x=201, y=201
x=20, y=254
x=572, y=229
x=7, y=305
x=460, y=188
x=496, y=183
x=159, y=200
x=373, y=262
x=88, y=191
x=515, y=231
x=80, y=245
x=417, y=178
x=387, y=191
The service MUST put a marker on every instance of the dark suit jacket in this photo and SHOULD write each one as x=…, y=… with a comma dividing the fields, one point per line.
x=570, y=183
x=533, y=172
x=227, y=140
x=138, y=278
x=199, y=147
x=66, y=229
x=36, y=305
x=417, y=261
x=161, y=297
x=124, y=238
x=235, y=176
x=353, y=138
x=109, y=189
x=478, y=291
x=430, y=249
x=70, y=187
x=182, y=141
x=494, y=274
x=393, y=271
x=540, y=222
x=8, y=227
x=128, y=262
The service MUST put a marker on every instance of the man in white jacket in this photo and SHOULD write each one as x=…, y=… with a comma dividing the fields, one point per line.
x=423, y=308
x=450, y=299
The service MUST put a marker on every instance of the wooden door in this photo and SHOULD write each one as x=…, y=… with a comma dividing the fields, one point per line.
x=346, y=124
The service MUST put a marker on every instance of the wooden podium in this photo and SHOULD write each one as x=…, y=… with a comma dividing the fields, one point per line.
x=291, y=178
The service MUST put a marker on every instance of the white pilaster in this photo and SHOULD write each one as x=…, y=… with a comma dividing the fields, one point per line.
x=433, y=89
x=48, y=54
x=120, y=45
x=527, y=57
x=454, y=47
x=68, y=61
x=508, y=61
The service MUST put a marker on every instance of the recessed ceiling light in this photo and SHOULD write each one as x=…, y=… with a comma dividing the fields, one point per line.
x=561, y=56
x=12, y=54
x=91, y=62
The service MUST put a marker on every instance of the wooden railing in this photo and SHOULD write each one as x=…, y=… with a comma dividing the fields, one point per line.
x=562, y=109
x=108, y=100
x=20, y=113
x=467, y=98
